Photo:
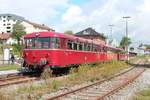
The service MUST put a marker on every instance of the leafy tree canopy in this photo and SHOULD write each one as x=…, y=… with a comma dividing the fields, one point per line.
x=147, y=46
x=131, y=48
x=141, y=45
x=125, y=42
x=18, y=31
x=69, y=32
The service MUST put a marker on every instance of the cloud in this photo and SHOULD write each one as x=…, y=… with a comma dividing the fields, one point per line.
x=66, y=15
x=35, y=10
x=100, y=15
x=73, y=15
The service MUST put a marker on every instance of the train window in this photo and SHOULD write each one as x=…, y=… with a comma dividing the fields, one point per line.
x=63, y=44
x=96, y=48
x=104, y=49
x=55, y=42
x=38, y=43
x=87, y=47
x=80, y=46
x=99, y=48
x=75, y=46
x=70, y=44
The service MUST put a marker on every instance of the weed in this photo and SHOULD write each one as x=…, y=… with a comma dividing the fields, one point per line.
x=55, y=84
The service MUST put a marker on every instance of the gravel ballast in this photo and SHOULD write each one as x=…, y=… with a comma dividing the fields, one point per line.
x=128, y=92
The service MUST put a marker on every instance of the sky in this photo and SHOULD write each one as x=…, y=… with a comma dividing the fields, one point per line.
x=76, y=15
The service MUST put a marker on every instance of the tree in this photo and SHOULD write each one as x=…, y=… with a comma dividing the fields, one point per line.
x=69, y=32
x=125, y=42
x=141, y=45
x=131, y=48
x=147, y=46
x=18, y=31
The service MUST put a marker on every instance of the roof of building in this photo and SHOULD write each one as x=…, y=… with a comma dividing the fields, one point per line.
x=4, y=36
x=19, y=18
x=89, y=31
x=13, y=17
x=42, y=26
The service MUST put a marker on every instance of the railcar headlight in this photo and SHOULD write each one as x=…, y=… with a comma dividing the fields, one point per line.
x=43, y=61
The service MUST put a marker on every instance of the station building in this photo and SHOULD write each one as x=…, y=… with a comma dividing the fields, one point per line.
x=90, y=33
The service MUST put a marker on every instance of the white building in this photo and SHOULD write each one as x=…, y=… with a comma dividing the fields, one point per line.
x=8, y=20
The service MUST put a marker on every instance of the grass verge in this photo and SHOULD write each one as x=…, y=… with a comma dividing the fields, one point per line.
x=9, y=67
x=84, y=74
x=143, y=95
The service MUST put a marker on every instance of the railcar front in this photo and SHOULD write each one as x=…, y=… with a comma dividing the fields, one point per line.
x=42, y=50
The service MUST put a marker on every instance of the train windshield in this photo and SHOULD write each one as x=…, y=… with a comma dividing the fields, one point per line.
x=38, y=43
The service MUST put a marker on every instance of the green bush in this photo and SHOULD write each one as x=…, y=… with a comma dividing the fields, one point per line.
x=17, y=49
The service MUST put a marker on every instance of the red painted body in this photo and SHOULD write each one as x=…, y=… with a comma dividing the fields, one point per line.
x=62, y=57
x=65, y=57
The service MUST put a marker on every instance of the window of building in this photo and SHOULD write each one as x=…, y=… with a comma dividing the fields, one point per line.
x=8, y=27
x=55, y=42
x=9, y=16
x=4, y=16
x=8, y=31
x=4, y=24
x=8, y=24
x=4, y=20
x=14, y=20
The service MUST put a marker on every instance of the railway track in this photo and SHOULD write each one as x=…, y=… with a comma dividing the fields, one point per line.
x=15, y=79
x=101, y=89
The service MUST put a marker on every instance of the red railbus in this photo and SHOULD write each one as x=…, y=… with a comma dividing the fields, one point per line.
x=57, y=50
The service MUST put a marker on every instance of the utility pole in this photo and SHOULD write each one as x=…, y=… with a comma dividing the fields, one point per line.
x=111, y=30
x=127, y=46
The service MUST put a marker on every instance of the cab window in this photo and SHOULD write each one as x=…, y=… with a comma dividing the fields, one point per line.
x=42, y=42
x=29, y=43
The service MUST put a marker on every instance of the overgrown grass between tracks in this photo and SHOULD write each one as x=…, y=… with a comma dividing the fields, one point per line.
x=84, y=74
x=143, y=95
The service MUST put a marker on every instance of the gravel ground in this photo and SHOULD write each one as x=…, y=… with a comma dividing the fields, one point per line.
x=129, y=91
x=67, y=89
